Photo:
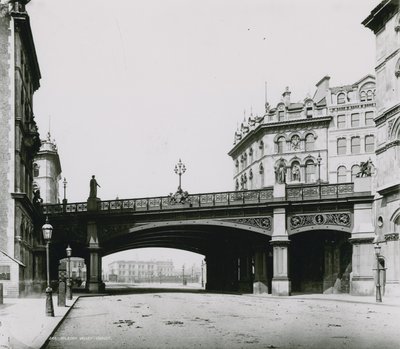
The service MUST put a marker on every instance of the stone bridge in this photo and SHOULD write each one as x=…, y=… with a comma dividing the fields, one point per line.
x=244, y=235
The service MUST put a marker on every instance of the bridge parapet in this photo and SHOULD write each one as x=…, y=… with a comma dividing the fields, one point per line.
x=233, y=198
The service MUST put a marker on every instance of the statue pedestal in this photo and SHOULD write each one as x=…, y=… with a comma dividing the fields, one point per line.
x=279, y=190
x=92, y=204
x=362, y=184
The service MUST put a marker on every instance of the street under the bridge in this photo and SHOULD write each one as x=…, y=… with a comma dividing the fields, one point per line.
x=196, y=319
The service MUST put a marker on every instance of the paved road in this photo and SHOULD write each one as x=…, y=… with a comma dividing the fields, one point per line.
x=204, y=320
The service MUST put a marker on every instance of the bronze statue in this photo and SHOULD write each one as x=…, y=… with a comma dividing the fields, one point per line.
x=365, y=169
x=93, y=188
x=37, y=200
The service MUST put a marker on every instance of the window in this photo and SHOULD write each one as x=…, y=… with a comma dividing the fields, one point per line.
x=251, y=155
x=369, y=144
x=355, y=145
x=281, y=144
x=369, y=118
x=355, y=120
x=341, y=174
x=237, y=185
x=261, y=168
x=354, y=171
x=35, y=170
x=341, y=121
x=5, y=272
x=341, y=98
x=261, y=147
x=369, y=95
x=310, y=142
x=309, y=112
x=310, y=171
x=363, y=96
x=281, y=115
x=341, y=146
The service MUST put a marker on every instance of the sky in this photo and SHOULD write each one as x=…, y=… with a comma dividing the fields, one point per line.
x=130, y=87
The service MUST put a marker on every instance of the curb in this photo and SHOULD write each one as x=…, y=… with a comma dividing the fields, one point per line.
x=59, y=323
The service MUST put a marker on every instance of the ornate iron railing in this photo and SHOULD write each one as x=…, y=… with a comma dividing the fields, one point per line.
x=293, y=193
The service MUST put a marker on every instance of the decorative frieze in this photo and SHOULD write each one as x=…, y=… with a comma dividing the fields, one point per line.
x=392, y=237
x=259, y=222
x=321, y=219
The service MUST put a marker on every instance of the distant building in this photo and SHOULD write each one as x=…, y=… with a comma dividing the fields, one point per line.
x=321, y=138
x=140, y=271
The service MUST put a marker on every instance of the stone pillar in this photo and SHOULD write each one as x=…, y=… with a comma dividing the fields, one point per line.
x=281, y=285
x=363, y=257
x=245, y=273
x=94, y=280
x=260, y=284
x=391, y=252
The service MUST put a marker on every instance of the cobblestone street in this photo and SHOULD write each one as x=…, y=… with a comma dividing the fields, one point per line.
x=202, y=320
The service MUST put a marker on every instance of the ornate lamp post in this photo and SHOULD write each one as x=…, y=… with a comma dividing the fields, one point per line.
x=180, y=169
x=69, y=281
x=47, y=230
x=319, y=159
x=65, y=191
x=377, y=249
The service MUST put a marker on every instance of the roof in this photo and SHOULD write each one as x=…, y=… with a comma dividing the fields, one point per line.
x=380, y=14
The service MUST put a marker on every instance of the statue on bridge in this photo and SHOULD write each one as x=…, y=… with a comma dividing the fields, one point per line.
x=365, y=169
x=280, y=171
x=93, y=188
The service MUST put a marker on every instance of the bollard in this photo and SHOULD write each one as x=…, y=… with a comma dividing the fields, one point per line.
x=1, y=293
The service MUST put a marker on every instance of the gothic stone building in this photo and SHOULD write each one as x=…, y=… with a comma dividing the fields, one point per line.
x=19, y=142
x=384, y=21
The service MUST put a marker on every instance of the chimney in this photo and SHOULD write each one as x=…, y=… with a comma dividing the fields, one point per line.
x=286, y=96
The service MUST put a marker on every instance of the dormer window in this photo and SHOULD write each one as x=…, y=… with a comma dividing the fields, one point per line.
x=309, y=112
x=281, y=115
x=363, y=96
x=341, y=98
x=369, y=95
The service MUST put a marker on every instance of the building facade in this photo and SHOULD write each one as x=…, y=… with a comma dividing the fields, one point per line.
x=321, y=138
x=384, y=21
x=141, y=271
x=19, y=143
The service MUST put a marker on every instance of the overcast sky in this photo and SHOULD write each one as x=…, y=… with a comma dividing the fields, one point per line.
x=132, y=86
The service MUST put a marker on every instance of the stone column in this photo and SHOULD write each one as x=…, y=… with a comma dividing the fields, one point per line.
x=391, y=252
x=95, y=283
x=281, y=285
x=363, y=257
x=260, y=284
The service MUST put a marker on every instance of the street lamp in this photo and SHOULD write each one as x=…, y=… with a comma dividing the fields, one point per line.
x=65, y=191
x=69, y=283
x=180, y=169
x=47, y=230
x=319, y=159
x=377, y=249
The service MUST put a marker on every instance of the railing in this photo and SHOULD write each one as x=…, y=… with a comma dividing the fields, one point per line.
x=318, y=191
x=293, y=193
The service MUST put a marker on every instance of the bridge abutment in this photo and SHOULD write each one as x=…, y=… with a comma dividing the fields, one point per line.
x=260, y=284
x=94, y=281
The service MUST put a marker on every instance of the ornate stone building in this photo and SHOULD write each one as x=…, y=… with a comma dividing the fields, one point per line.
x=19, y=143
x=321, y=138
x=384, y=21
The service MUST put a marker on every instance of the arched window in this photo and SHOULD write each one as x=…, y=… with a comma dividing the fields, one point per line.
x=310, y=171
x=341, y=146
x=397, y=225
x=369, y=144
x=261, y=170
x=251, y=155
x=261, y=147
x=355, y=145
x=341, y=174
x=369, y=95
x=363, y=96
x=341, y=98
x=237, y=184
x=245, y=160
x=281, y=144
x=397, y=67
x=35, y=170
x=354, y=171
x=310, y=142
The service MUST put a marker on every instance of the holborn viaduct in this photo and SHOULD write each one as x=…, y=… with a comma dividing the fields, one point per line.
x=300, y=238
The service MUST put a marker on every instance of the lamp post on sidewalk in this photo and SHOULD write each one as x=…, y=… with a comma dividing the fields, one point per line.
x=69, y=281
x=47, y=230
x=378, y=276
x=319, y=159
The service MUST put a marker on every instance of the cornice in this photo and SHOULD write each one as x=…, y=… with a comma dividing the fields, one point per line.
x=388, y=58
x=387, y=114
x=387, y=146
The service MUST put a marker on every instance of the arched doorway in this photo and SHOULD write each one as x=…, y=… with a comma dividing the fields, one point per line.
x=320, y=262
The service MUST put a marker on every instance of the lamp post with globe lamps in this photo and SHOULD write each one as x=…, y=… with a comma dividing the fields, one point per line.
x=47, y=230
x=69, y=283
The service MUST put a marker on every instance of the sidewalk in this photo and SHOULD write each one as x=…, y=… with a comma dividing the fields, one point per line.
x=24, y=324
